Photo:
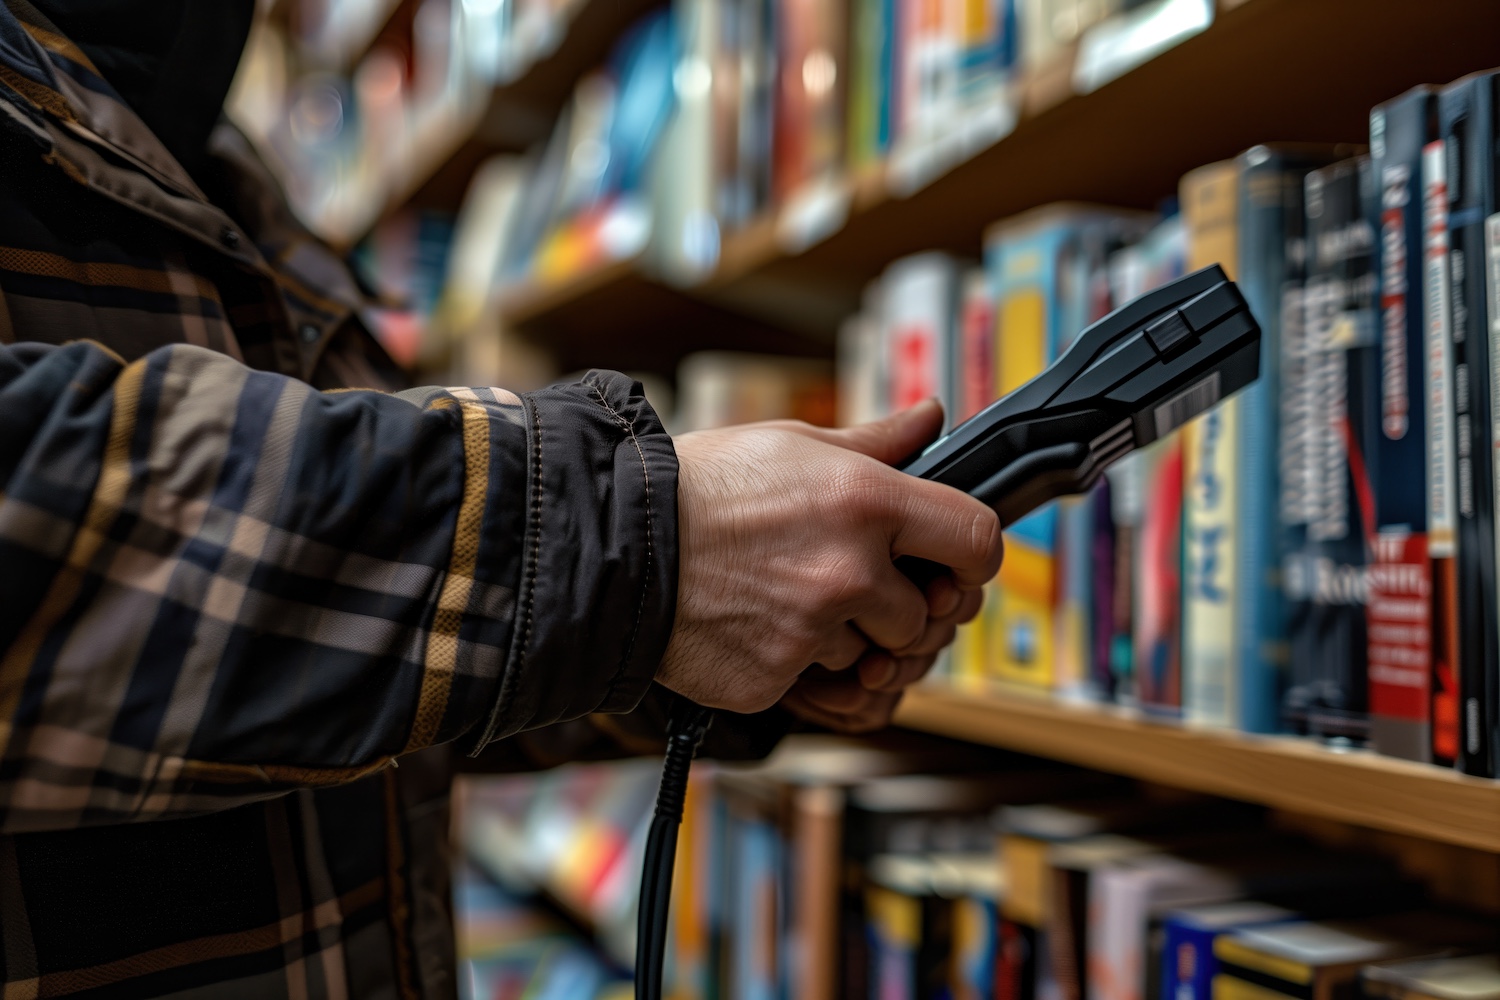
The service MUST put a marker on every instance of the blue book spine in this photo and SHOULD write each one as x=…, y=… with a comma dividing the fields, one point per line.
x=1272, y=258
x=1187, y=962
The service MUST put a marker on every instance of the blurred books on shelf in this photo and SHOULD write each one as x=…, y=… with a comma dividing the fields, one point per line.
x=510, y=947
x=900, y=868
x=1267, y=569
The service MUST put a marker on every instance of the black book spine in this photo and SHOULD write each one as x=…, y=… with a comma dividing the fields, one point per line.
x=1329, y=693
x=1466, y=121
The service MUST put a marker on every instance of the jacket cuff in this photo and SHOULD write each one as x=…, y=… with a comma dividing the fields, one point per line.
x=598, y=584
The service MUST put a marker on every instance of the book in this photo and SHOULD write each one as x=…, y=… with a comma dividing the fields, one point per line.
x=720, y=388
x=1034, y=261
x=1157, y=547
x=1188, y=961
x=1209, y=197
x=1271, y=260
x=919, y=303
x=808, y=144
x=1335, y=421
x=1108, y=615
x=1156, y=662
x=758, y=74
x=860, y=365
x=1467, y=113
x=1129, y=897
x=1123, y=895
x=684, y=230
x=1086, y=298
x=1442, y=511
x=1321, y=960
x=872, y=43
x=973, y=365
x=1413, y=688
x=910, y=929
x=974, y=884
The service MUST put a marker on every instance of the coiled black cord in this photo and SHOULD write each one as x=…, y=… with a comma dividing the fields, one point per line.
x=685, y=731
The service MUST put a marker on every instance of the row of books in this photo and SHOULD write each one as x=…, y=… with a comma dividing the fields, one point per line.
x=715, y=114
x=343, y=139
x=1317, y=554
x=865, y=870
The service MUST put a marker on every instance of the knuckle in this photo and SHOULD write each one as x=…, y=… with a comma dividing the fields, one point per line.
x=792, y=649
x=860, y=489
x=835, y=583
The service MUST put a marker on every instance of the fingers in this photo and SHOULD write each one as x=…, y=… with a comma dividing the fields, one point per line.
x=940, y=629
x=890, y=674
x=940, y=524
x=843, y=648
x=893, y=613
x=840, y=703
x=943, y=597
x=897, y=437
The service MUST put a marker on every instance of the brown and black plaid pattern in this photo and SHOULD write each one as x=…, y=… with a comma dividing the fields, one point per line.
x=230, y=602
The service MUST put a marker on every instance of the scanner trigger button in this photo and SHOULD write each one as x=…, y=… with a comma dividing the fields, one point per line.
x=1169, y=333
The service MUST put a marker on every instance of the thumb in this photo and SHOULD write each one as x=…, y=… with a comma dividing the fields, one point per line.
x=890, y=440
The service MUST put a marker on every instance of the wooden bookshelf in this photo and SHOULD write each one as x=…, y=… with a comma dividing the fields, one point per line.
x=1282, y=70
x=617, y=317
x=1357, y=787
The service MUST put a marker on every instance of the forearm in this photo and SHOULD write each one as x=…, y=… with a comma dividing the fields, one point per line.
x=220, y=584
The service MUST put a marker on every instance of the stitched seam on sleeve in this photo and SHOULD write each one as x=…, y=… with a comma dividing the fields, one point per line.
x=640, y=608
x=522, y=643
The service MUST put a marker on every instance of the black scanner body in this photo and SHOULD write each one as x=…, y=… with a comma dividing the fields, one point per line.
x=1127, y=380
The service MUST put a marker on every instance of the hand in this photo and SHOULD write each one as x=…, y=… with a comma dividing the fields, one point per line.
x=865, y=699
x=787, y=538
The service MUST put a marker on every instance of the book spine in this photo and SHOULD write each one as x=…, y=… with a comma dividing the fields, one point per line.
x=1187, y=962
x=815, y=844
x=1442, y=514
x=1021, y=634
x=1157, y=663
x=920, y=301
x=1103, y=597
x=1466, y=123
x=895, y=934
x=1016, y=970
x=1404, y=673
x=974, y=370
x=1158, y=550
x=1271, y=259
x=976, y=939
x=1329, y=432
x=1210, y=210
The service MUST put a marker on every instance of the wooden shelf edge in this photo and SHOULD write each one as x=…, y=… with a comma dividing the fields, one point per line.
x=1358, y=787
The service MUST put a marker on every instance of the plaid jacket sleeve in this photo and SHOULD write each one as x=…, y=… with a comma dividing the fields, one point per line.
x=218, y=584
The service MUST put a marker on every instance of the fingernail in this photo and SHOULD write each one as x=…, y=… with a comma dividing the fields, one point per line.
x=887, y=672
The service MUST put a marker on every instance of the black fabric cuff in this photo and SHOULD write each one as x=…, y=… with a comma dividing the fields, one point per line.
x=598, y=590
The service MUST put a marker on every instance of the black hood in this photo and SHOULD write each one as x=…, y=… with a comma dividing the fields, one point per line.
x=171, y=60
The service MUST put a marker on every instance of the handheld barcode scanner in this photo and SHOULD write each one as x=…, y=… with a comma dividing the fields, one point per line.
x=1129, y=379
x=1132, y=377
